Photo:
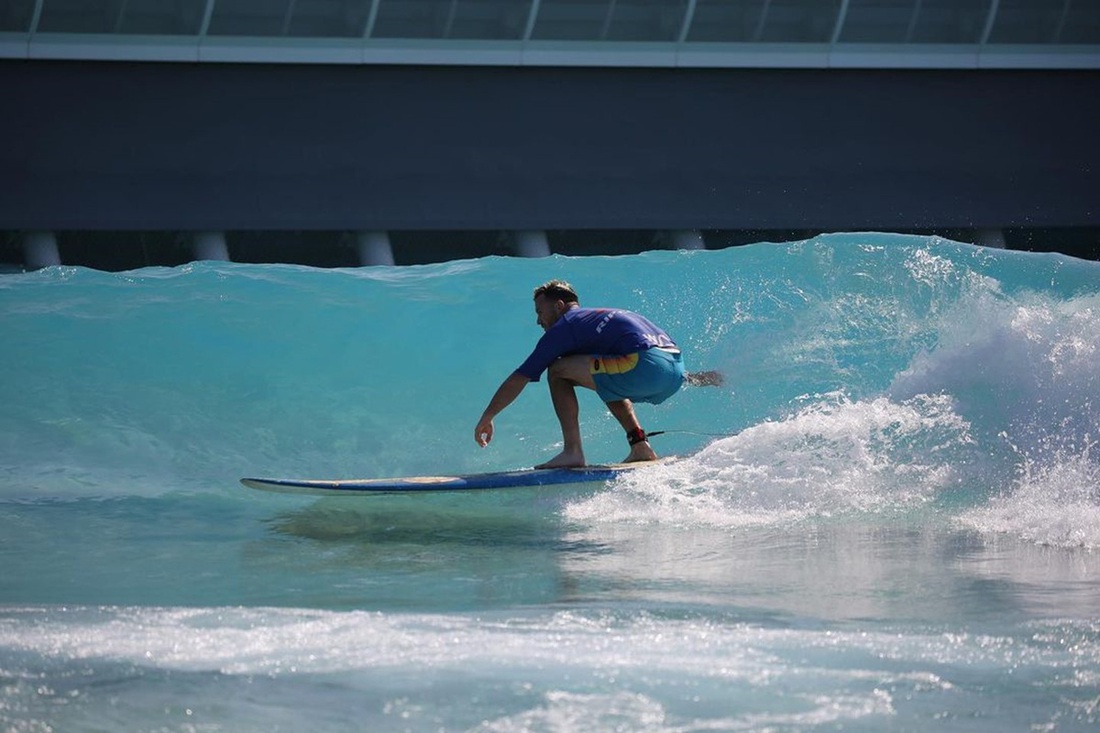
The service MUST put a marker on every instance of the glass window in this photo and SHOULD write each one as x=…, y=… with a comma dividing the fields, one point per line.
x=646, y=20
x=800, y=21
x=412, y=18
x=16, y=15
x=1082, y=24
x=162, y=17
x=573, y=20
x=328, y=18
x=610, y=20
x=492, y=19
x=950, y=21
x=250, y=17
x=727, y=21
x=1027, y=21
x=80, y=16
x=484, y=19
x=879, y=21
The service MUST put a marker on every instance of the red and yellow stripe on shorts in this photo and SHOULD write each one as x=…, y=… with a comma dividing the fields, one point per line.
x=613, y=364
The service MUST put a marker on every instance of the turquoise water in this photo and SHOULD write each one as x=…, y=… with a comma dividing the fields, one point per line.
x=887, y=519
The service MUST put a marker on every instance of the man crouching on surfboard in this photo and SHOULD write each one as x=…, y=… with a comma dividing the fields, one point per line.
x=619, y=354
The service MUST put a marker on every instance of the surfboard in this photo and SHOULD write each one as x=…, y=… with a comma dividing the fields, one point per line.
x=462, y=482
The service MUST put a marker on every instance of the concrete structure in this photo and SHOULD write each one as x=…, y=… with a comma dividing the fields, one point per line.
x=377, y=131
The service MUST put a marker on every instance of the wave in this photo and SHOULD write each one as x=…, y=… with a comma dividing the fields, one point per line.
x=866, y=374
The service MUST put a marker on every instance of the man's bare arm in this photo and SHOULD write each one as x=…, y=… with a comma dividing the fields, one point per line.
x=505, y=395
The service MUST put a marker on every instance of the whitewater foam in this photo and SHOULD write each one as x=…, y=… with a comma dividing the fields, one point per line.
x=833, y=456
x=1028, y=372
x=1055, y=501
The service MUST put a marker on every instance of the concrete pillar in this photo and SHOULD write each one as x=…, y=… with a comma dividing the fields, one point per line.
x=994, y=238
x=686, y=239
x=209, y=246
x=530, y=243
x=40, y=250
x=374, y=248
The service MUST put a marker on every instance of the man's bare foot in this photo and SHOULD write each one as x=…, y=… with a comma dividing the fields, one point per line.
x=565, y=459
x=640, y=452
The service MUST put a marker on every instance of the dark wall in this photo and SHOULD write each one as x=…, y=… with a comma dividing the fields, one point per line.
x=204, y=146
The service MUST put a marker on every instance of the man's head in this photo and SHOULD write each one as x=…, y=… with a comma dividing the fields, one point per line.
x=552, y=299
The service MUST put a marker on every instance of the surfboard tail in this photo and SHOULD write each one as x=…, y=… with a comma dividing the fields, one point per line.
x=704, y=379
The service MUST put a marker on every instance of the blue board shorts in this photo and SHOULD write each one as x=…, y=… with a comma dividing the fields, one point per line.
x=651, y=376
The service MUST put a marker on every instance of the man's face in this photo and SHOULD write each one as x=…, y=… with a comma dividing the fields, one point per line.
x=548, y=311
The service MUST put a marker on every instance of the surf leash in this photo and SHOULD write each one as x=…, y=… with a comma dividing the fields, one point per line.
x=690, y=432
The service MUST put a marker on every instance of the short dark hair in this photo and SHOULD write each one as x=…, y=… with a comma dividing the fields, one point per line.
x=557, y=290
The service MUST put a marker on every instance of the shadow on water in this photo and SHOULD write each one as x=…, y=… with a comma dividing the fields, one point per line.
x=504, y=517
x=430, y=522
x=449, y=552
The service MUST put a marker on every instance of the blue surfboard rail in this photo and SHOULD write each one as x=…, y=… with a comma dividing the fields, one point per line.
x=462, y=482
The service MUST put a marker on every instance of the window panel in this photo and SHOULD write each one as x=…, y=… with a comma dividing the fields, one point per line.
x=573, y=20
x=411, y=18
x=250, y=17
x=16, y=15
x=162, y=17
x=950, y=21
x=799, y=21
x=727, y=21
x=328, y=18
x=1027, y=21
x=484, y=19
x=490, y=19
x=80, y=16
x=879, y=21
x=1082, y=23
x=610, y=20
x=646, y=20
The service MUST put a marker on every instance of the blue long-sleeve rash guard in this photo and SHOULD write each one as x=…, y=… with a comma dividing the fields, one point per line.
x=596, y=331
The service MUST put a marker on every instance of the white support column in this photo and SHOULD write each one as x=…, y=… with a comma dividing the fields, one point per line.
x=759, y=32
x=841, y=16
x=37, y=16
x=207, y=14
x=993, y=238
x=530, y=243
x=374, y=248
x=990, y=19
x=209, y=246
x=532, y=16
x=685, y=24
x=686, y=239
x=40, y=250
x=372, y=17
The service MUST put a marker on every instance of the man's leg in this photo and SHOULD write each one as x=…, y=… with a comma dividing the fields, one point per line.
x=623, y=410
x=563, y=377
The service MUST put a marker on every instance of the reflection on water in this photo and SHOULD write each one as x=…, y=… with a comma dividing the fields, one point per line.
x=843, y=571
x=444, y=555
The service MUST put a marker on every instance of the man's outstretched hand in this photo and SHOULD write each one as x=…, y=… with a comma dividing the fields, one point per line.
x=483, y=433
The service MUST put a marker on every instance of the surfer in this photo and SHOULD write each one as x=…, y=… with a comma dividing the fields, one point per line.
x=621, y=355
